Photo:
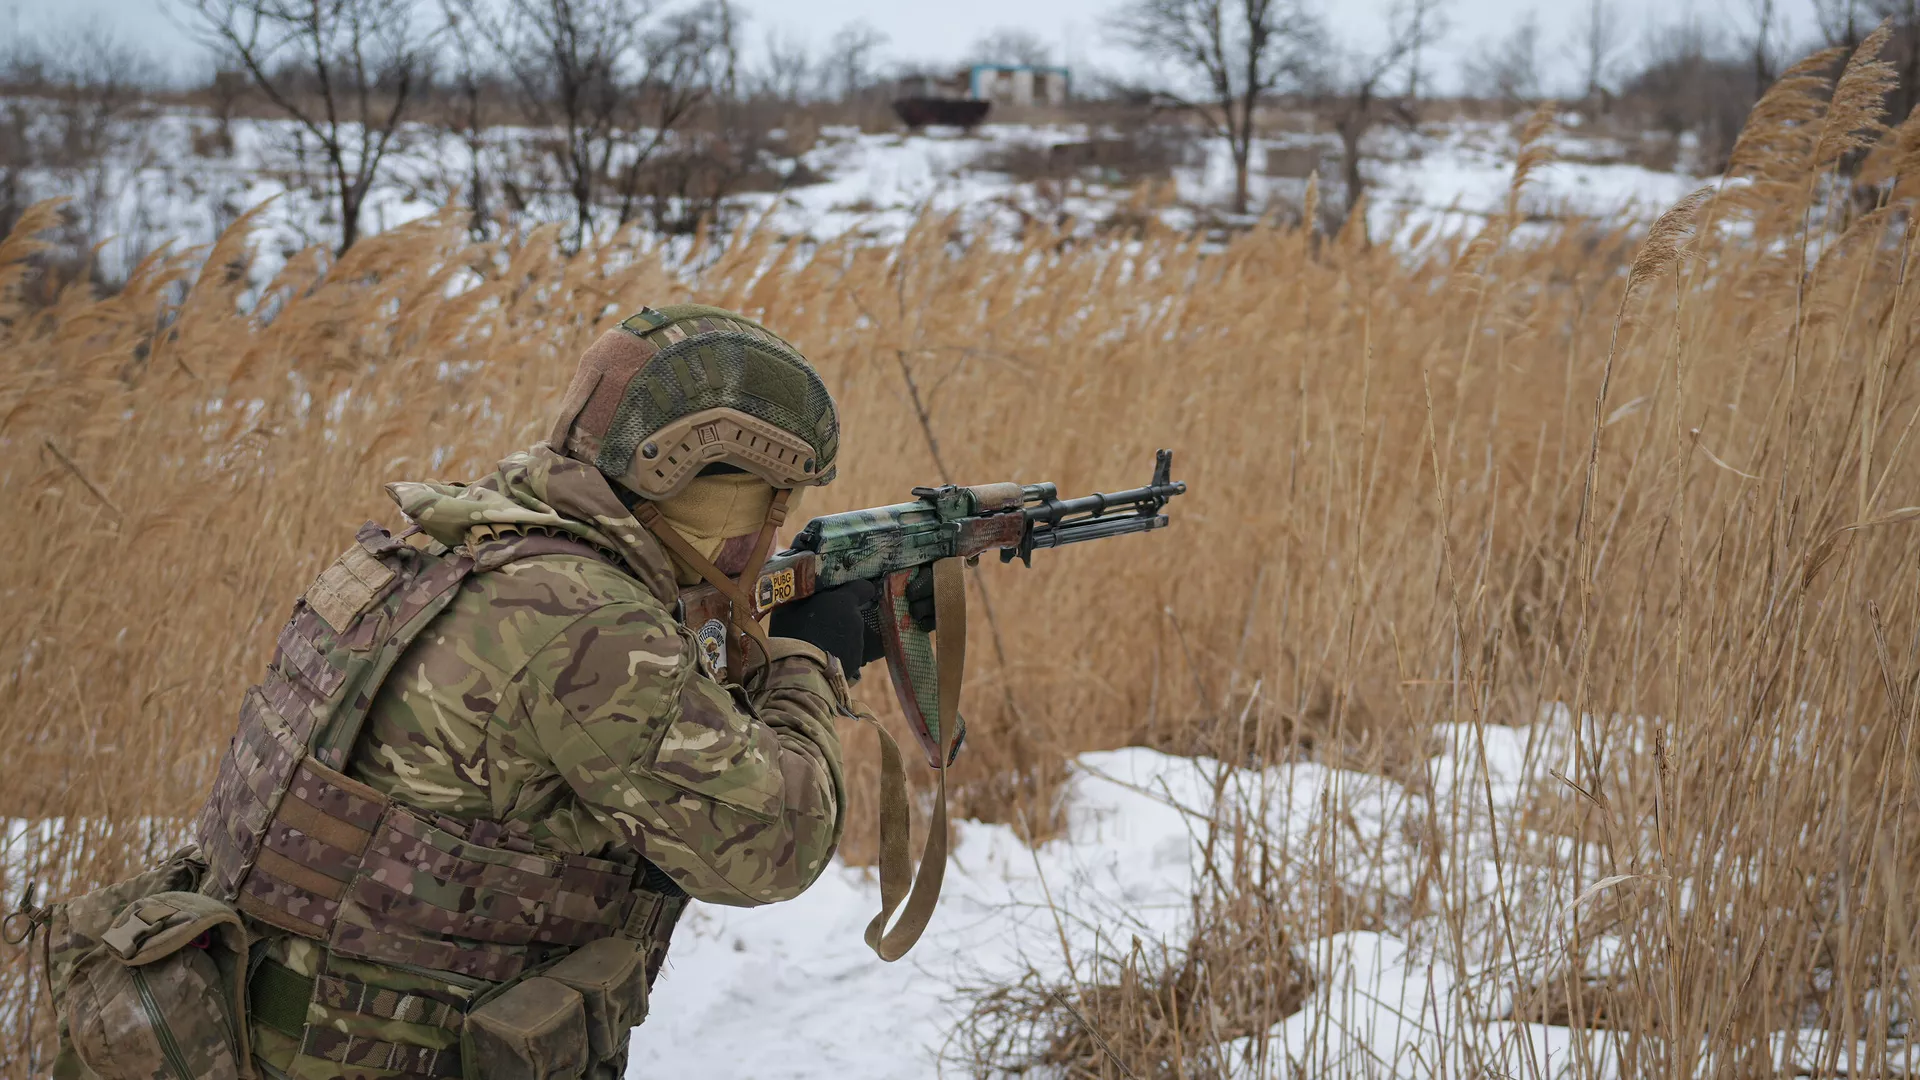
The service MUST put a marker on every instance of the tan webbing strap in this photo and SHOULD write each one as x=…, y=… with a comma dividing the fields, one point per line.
x=950, y=613
x=762, y=547
x=649, y=515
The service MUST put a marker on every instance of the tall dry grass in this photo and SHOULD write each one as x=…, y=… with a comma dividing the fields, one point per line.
x=1662, y=483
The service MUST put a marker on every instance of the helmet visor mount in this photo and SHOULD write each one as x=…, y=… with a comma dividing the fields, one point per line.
x=668, y=459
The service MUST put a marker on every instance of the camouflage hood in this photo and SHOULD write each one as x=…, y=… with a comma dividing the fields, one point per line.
x=540, y=489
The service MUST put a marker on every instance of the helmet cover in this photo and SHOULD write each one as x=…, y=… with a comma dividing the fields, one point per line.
x=668, y=392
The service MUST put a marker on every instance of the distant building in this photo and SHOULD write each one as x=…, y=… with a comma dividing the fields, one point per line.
x=963, y=99
x=1019, y=84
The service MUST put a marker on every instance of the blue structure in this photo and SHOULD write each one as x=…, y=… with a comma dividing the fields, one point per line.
x=1019, y=84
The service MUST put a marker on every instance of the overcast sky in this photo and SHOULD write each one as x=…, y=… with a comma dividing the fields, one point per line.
x=939, y=30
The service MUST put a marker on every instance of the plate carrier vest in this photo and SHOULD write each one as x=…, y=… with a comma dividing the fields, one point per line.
x=292, y=841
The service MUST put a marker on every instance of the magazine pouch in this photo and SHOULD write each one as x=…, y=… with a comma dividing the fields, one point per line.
x=533, y=1029
x=163, y=994
x=610, y=975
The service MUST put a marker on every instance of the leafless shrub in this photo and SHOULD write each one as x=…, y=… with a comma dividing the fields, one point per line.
x=69, y=100
x=1507, y=68
x=345, y=71
x=1688, y=84
x=734, y=148
x=1011, y=45
x=1357, y=92
x=607, y=83
x=1231, y=55
x=1122, y=159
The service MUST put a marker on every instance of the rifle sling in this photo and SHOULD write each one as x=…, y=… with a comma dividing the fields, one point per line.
x=763, y=545
x=741, y=615
x=896, y=870
x=950, y=614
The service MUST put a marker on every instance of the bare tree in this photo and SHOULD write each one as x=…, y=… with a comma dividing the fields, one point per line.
x=1844, y=22
x=849, y=66
x=725, y=19
x=1011, y=45
x=565, y=62
x=346, y=71
x=610, y=79
x=1760, y=43
x=70, y=100
x=225, y=90
x=466, y=117
x=1427, y=24
x=1692, y=81
x=1508, y=68
x=691, y=58
x=1355, y=95
x=787, y=71
x=1233, y=52
x=1596, y=46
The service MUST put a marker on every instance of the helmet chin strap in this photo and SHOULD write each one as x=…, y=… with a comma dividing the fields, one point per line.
x=741, y=626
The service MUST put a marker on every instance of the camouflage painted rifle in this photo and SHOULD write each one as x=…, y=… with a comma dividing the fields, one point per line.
x=894, y=545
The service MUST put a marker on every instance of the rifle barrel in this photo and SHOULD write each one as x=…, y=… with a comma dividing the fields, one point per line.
x=1142, y=501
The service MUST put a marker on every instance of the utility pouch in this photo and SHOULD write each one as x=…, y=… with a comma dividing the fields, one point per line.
x=610, y=975
x=164, y=993
x=74, y=927
x=535, y=1029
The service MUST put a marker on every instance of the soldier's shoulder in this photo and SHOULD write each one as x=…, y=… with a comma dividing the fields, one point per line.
x=561, y=587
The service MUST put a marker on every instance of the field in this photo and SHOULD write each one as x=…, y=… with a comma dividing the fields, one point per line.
x=1654, y=483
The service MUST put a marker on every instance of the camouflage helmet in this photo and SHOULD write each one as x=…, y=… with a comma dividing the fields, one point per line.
x=668, y=392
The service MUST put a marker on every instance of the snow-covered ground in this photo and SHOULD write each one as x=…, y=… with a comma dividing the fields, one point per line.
x=165, y=183
x=791, y=991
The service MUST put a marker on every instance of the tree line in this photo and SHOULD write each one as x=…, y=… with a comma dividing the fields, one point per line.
x=626, y=110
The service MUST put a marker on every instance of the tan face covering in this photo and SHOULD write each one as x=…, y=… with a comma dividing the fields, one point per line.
x=721, y=516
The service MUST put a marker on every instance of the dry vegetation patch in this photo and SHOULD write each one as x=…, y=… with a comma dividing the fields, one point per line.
x=1671, y=492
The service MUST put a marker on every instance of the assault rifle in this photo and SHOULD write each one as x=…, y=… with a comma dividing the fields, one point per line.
x=897, y=546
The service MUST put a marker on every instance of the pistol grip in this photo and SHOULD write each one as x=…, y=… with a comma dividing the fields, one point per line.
x=913, y=668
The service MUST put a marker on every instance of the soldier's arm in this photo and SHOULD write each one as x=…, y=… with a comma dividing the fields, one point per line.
x=741, y=803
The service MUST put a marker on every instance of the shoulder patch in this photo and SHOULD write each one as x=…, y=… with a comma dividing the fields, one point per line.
x=712, y=656
x=346, y=589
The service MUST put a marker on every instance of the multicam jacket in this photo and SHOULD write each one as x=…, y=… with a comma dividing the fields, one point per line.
x=556, y=695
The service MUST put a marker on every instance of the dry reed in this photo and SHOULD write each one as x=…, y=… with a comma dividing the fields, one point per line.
x=1424, y=491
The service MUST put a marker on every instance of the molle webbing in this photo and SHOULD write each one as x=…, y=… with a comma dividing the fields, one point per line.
x=295, y=843
x=359, y=1052
x=279, y=996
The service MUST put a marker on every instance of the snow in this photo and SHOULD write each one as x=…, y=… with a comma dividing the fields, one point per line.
x=1448, y=178
x=791, y=990
x=1452, y=178
x=165, y=182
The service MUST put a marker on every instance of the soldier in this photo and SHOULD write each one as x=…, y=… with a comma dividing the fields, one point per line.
x=487, y=767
